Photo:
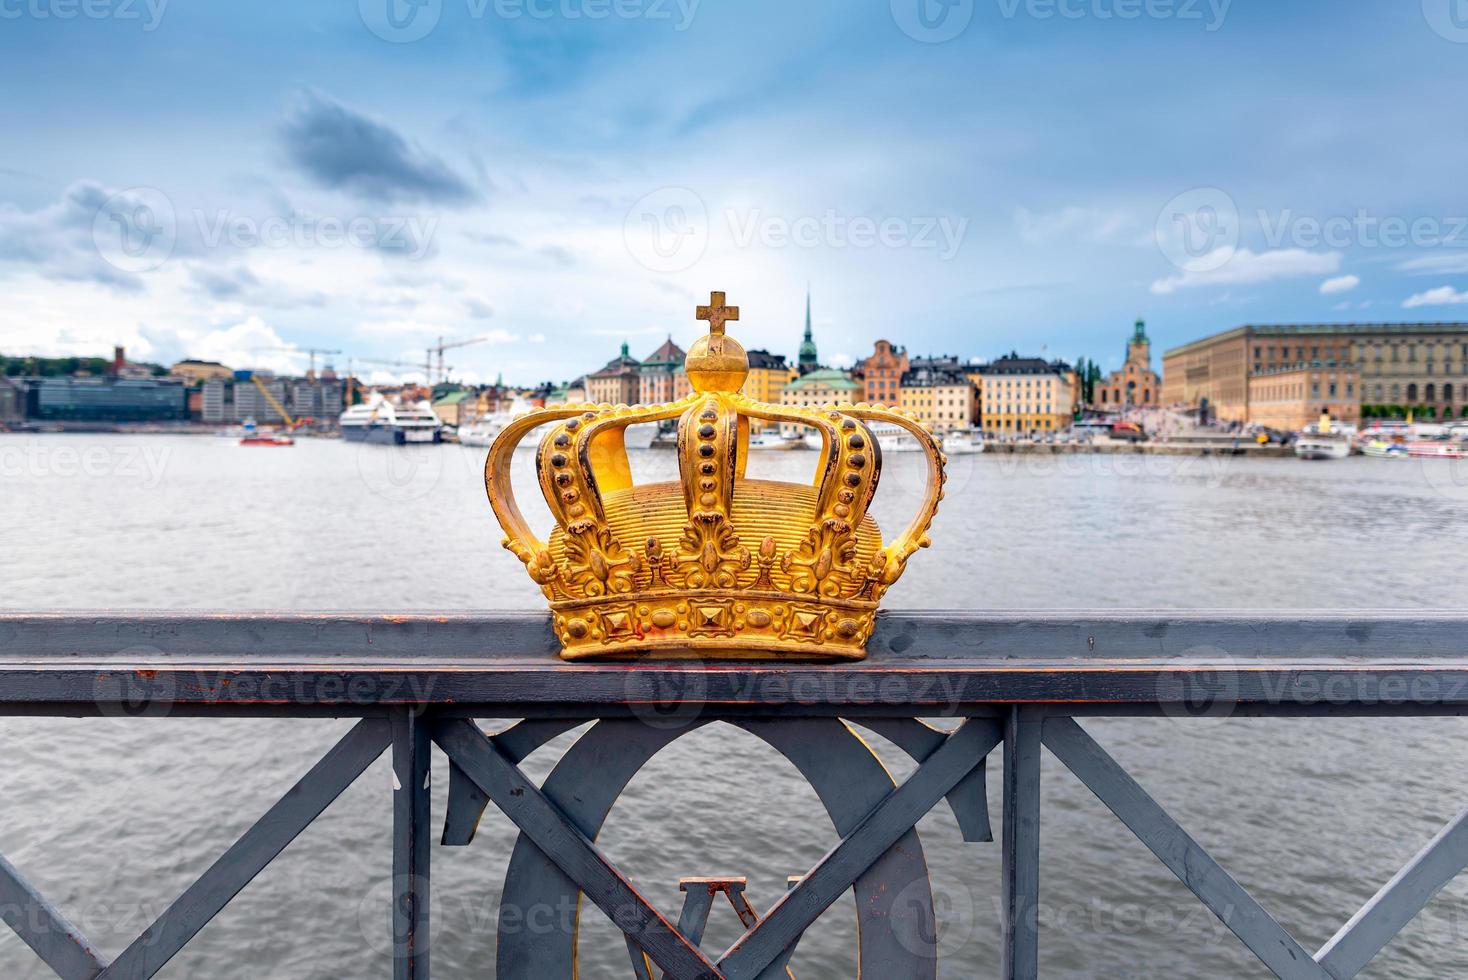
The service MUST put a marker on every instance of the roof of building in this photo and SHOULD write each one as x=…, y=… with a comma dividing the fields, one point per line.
x=1014, y=364
x=667, y=353
x=1321, y=330
x=764, y=359
x=624, y=363
x=453, y=398
x=826, y=377
x=933, y=377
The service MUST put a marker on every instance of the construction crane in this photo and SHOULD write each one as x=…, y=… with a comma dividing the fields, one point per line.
x=291, y=423
x=438, y=349
x=311, y=351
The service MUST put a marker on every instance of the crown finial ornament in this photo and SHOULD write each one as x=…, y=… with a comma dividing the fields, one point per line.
x=712, y=564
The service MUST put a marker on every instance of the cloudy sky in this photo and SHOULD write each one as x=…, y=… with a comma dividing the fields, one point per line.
x=967, y=176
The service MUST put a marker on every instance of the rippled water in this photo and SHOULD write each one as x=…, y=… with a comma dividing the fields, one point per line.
x=114, y=817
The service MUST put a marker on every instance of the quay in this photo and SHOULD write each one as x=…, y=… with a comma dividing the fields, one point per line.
x=1211, y=446
x=1023, y=683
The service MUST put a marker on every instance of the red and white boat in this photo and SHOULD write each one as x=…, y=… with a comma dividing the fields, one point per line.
x=1441, y=448
x=263, y=437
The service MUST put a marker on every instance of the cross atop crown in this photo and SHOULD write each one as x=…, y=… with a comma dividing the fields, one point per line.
x=716, y=313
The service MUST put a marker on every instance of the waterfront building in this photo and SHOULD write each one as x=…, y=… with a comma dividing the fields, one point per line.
x=12, y=401
x=251, y=403
x=450, y=407
x=768, y=375
x=115, y=399
x=661, y=377
x=1402, y=367
x=1136, y=383
x=619, y=383
x=807, y=360
x=941, y=396
x=195, y=372
x=1027, y=395
x=881, y=373
x=817, y=389
x=1290, y=398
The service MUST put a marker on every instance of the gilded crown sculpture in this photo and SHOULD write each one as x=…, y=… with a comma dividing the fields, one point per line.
x=713, y=564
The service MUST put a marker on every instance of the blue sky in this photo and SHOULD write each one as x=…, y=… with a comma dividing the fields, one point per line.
x=558, y=175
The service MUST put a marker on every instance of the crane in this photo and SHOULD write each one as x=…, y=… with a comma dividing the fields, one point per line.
x=438, y=349
x=311, y=351
x=291, y=423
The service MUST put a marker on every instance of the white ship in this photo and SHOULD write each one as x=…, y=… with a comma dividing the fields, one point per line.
x=964, y=442
x=379, y=420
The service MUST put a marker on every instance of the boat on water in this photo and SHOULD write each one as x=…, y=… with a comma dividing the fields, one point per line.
x=963, y=442
x=1326, y=439
x=894, y=438
x=1442, y=447
x=1323, y=446
x=380, y=421
x=1384, y=449
x=252, y=435
x=773, y=441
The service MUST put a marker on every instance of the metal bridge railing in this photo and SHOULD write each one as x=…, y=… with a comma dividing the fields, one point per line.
x=1020, y=682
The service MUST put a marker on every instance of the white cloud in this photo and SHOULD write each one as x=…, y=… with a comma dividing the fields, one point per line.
x=1340, y=284
x=1246, y=266
x=1441, y=296
x=1435, y=265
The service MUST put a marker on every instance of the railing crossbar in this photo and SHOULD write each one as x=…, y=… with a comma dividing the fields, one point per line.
x=58, y=943
x=543, y=823
x=1398, y=902
x=898, y=813
x=249, y=855
x=1182, y=855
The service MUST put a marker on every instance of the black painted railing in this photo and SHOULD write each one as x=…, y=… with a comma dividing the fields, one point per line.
x=1020, y=682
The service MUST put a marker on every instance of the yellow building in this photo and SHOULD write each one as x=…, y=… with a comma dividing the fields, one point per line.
x=768, y=376
x=1027, y=396
x=944, y=400
x=821, y=387
x=197, y=371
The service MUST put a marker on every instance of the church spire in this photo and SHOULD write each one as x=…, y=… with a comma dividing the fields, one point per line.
x=808, y=360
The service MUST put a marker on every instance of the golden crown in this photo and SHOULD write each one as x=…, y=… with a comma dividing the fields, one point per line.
x=713, y=565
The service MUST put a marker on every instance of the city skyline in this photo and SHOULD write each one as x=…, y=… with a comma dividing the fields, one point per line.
x=527, y=200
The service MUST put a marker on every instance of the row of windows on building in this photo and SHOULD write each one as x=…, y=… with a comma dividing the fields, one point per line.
x=1380, y=353
x=1428, y=392
x=1295, y=391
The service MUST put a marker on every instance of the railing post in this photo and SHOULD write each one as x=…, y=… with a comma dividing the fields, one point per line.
x=1021, y=845
x=411, y=840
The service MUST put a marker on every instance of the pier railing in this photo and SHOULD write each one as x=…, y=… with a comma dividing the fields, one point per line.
x=1023, y=683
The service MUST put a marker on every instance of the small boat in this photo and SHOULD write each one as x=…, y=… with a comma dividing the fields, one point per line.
x=963, y=442
x=267, y=439
x=894, y=438
x=380, y=421
x=772, y=441
x=1323, y=446
x=1382, y=449
x=1440, y=448
x=483, y=430
x=252, y=436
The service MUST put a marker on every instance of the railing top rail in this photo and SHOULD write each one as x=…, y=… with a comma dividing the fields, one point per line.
x=927, y=662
